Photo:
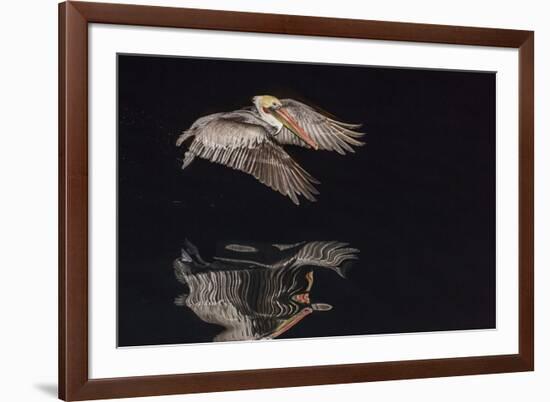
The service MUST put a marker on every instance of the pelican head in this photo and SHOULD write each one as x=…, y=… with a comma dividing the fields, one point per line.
x=272, y=111
x=266, y=102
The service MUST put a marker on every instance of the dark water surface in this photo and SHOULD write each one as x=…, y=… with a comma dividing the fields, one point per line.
x=417, y=202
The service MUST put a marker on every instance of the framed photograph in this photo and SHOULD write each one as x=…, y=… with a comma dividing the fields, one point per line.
x=257, y=201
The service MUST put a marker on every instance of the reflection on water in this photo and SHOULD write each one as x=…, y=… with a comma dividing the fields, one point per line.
x=257, y=291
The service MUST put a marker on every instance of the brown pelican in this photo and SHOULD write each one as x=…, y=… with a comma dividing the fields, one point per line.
x=251, y=139
x=257, y=291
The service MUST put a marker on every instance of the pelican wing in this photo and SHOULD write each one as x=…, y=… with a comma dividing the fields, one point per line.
x=329, y=134
x=326, y=254
x=235, y=141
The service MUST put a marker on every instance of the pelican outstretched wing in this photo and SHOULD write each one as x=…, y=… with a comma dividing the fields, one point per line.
x=234, y=141
x=329, y=134
x=326, y=254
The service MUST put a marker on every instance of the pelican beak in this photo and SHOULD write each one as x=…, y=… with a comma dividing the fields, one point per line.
x=282, y=115
x=286, y=325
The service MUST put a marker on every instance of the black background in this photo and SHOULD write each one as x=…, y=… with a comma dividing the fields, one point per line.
x=418, y=200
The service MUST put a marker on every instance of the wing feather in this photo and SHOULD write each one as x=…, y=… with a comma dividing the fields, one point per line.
x=247, y=147
x=330, y=134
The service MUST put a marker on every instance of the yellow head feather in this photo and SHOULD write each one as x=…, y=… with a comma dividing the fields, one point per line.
x=267, y=101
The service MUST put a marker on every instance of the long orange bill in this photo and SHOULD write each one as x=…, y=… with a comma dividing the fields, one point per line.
x=285, y=326
x=289, y=123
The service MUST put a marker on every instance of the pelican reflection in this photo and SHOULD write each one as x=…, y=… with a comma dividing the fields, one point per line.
x=257, y=291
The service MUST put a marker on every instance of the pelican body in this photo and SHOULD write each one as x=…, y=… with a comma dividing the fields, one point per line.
x=251, y=140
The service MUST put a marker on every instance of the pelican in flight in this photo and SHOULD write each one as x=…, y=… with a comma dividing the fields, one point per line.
x=251, y=139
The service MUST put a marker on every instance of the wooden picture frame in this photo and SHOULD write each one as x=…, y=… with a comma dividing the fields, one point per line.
x=74, y=381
